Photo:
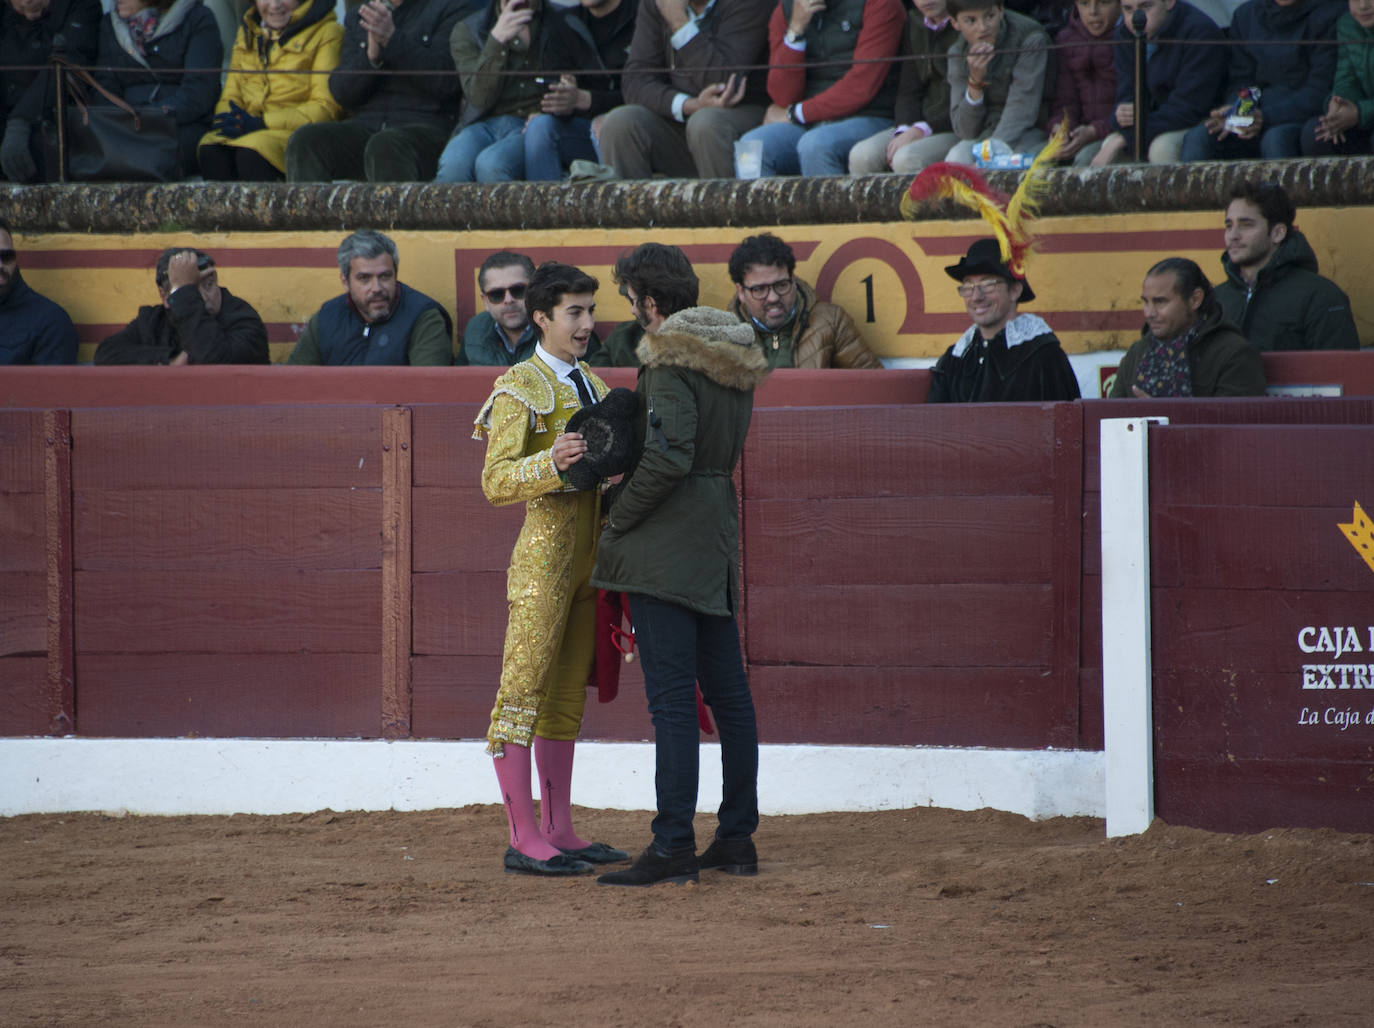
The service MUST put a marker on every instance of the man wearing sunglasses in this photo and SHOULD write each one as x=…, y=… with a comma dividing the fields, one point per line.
x=1005, y=355
x=35, y=330
x=794, y=328
x=378, y=320
x=501, y=335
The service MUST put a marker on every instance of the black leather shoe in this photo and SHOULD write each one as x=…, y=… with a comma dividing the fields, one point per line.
x=560, y=866
x=598, y=853
x=733, y=856
x=652, y=867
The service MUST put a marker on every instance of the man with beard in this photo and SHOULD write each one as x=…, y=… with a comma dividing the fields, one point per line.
x=1005, y=355
x=792, y=326
x=1272, y=291
x=658, y=281
x=503, y=333
x=36, y=330
x=378, y=320
x=197, y=322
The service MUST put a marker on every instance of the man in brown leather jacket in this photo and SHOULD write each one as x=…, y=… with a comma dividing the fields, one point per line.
x=793, y=328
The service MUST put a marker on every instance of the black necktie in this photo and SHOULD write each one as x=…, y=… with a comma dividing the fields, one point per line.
x=580, y=384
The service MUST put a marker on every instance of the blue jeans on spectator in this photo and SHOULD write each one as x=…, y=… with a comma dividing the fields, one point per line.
x=552, y=143
x=681, y=649
x=1273, y=143
x=820, y=150
x=489, y=150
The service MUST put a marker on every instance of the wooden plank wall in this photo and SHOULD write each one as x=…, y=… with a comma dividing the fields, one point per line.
x=908, y=572
x=228, y=571
x=1246, y=553
x=24, y=700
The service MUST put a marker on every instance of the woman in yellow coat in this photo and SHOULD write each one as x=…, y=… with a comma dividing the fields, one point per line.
x=260, y=106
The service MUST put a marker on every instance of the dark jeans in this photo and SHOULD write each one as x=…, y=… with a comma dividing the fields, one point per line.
x=1275, y=142
x=681, y=649
x=327, y=150
x=1357, y=141
x=220, y=162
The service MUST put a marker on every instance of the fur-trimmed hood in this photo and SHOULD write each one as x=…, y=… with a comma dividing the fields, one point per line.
x=710, y=341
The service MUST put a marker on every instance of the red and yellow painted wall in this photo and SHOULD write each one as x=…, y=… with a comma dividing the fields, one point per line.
x=888, y=275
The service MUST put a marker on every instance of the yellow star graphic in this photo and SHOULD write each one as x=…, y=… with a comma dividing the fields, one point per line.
x=1360, y=532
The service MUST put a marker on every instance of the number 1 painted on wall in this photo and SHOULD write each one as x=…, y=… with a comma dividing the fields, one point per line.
x=868, y=292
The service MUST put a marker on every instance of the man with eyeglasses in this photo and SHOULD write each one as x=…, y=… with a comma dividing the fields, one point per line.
x=793, y=327
x=378, y=320
x=35, y=330
x=1005, y=355
x=501, y=335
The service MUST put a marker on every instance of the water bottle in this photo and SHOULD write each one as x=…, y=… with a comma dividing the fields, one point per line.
x=995, y=155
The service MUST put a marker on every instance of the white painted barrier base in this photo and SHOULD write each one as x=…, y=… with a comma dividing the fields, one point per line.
x=271, y=776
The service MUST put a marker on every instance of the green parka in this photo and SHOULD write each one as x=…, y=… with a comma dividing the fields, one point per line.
x=673, y=532
x=1222, y=362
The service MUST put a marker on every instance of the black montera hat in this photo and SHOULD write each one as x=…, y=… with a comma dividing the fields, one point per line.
x=608, y=428
x=985, y=258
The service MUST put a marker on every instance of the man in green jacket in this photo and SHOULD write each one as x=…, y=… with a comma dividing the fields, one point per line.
x=671, y=543
x=1272, y=291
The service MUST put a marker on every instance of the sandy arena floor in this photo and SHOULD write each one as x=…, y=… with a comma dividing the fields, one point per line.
x=917, y=917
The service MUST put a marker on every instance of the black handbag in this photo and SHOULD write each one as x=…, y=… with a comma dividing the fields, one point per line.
x=116, y=143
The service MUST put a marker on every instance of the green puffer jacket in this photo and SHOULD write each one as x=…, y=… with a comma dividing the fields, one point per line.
x=1291, y=307
x=673, y=532
x=1222, y=362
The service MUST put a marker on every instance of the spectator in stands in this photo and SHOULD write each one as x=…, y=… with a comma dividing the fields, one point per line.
x=683, y=122
x=197, y=322
x=262, y=105
x=658, y=281
x=397, y=124
x=996, y=78
x=1086, y=85
x=923, y=134
x=497, y=52
x=1187, y=347
x=550, y=638
x=1005, y=355
x=595, y=36
x=1182, y=81
x=27, y=94
x=793, y=328
x=167, y=54
x=1272, y=291
x=377, y=320
x=503, y=334
x=829, y=90
x=1347, y=127
x=1294, y=81
x=35, y=330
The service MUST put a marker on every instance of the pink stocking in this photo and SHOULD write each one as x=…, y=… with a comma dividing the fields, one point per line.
x=513, y=775
x=555, y=760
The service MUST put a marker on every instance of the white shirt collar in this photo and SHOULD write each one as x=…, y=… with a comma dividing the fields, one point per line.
x=561, y=368
x=1019, y=329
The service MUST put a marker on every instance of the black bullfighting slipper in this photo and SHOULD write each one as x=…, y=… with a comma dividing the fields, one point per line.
x=652, y=867
x=733, y=856
x=559, y=866
x=598, y=853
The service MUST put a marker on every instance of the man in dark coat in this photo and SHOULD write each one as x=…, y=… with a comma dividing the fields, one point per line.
x=197, y=322
x=671, y=543
x=1187, y=347
x=1272, y=291
x=398, y=124
x=1004, y=355
x=33, y=329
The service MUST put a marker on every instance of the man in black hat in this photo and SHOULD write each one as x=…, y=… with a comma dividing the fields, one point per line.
x=1004, y=355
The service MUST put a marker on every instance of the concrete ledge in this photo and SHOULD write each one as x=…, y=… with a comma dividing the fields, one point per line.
x=261, y=776
x=656, y=203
